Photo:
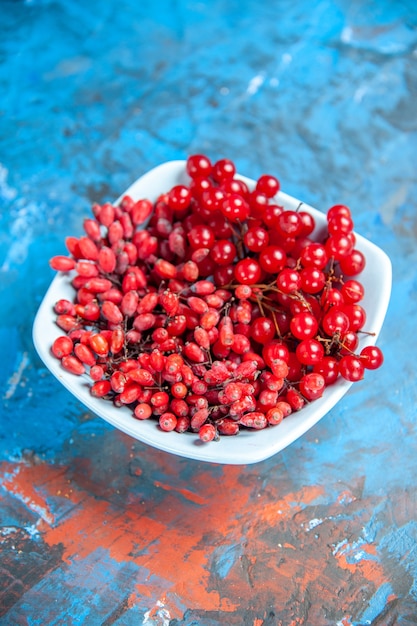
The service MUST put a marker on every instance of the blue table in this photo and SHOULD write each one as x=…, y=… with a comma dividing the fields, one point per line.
x=97, y=528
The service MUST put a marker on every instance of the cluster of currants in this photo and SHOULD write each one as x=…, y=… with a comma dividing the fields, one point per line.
x=222, y=312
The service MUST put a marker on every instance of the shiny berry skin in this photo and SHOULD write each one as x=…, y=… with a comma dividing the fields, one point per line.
x=309, y=351
x=338, y=246
x=84, y=354
x=356, y=315
x=263, y=330
x=223, y=169
x=143, y=411
x=274, y=416
x=335, y=321
x=247, y=272
x=312, y=385
x=312, y=280
x=338, y=209
x=274, y=351
x=289, y=224
x=235, y=208
x=212, y=199
x=62, y=263
x=201, y=237
x=256, y=239
x=167, y=421
x=351, y=368
x=64, y=307
x=140, y=212
x=304, y=325
x=308, y=222
x=288, y=281
x=331, y=297
x=314, y=255
x=328, y=367
x=198, y=166
x=223, y=252
x=348, y=343
x=73, y=365
x=207, y=432
x=233, y=185
x=198, y=186
x=227, y=426
x=340, y=224
x=268, y=185
x=353, y=291
x=295, y=399
x=272, y=259
x=353, y=263
x=371, y=357
x=223, y=275
x=62, y=346
x=179, y=198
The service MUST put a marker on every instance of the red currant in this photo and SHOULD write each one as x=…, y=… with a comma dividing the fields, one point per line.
x=304, y=325
x=223, y=170
x=351, y=368
x=371, y=357
x=247, y=272
x=198, y=166
x=268, y=185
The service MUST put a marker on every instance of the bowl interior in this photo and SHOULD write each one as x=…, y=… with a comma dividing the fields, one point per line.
x=249, y=446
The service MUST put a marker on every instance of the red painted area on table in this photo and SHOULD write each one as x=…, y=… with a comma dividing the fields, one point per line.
x=180, y=526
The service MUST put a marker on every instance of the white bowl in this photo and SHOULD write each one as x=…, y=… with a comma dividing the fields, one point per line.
x=248, y=446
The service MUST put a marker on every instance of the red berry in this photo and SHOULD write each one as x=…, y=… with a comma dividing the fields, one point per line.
x=314, y=255
x=371, y=357
x=288, y=280
x=289, y=224
x=223, y=169
x=247, y=271
x=85, y=354
x=73, y=365
x=227, y=426
x=263, y=330
x=353, y=263
x=62, y=263
x=335, y=321
x=272, y=259
x=338, y=209
x=235, y=208
x=207, y=432
x=223, y=252
x=167, y=421
x=143, y=411
x=255, y=419
x=256, y=238
x=100, y=388
x=62, y=346
x=352, y=291
x=328, y=367
x=267, y=184
x=309, y=352
x=312, y=385
x=351, y=368
x=304, y=325
x=198, y=166
x=179, y=198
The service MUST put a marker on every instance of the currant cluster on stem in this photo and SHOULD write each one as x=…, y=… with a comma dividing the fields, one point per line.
x=214, y=308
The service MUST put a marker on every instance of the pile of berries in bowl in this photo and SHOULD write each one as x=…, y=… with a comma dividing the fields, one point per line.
x=203, y=305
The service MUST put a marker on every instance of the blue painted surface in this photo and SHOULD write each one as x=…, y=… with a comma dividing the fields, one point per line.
x=323, y=96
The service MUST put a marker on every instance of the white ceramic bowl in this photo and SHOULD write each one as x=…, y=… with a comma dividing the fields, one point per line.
x=248, y=446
